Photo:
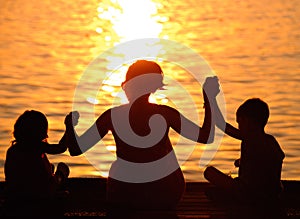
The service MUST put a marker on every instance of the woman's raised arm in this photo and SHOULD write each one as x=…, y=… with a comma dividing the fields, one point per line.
x=77, y=145
x=189, y=129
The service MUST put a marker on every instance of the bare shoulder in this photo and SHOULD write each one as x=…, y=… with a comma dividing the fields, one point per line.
x=105, y=118
x=105, y=114
x=274, y=144
x=271, y=139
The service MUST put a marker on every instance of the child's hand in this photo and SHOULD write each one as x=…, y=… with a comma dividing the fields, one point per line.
x=63, y=169
x=62, y=172
x=237, y=162
x=52, y=168
x=211, y=86
x=72, y=118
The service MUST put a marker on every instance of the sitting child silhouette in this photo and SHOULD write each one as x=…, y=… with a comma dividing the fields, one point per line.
x=29, y=175
x=260, y=162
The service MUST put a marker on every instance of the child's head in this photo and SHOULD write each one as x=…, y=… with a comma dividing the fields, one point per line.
x=31, y=126
x=255, y=111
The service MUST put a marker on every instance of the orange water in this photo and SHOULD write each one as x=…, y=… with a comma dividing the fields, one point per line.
x=252, y=45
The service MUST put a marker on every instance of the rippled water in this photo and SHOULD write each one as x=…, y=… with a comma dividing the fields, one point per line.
x=253, y=46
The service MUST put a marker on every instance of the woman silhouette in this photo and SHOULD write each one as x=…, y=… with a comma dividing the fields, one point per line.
x=146, y=174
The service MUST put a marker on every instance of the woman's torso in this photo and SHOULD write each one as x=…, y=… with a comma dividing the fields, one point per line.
x=147, y=170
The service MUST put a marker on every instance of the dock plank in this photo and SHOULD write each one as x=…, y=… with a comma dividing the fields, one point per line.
x=87, y=198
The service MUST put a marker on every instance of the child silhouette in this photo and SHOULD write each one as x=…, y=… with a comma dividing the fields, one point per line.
x=260, y=162
x=146, y=173
x=29, y=176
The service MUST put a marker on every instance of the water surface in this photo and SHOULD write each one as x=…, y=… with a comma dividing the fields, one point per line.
x=253, y=46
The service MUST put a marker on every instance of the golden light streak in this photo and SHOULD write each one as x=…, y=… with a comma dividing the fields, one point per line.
x=92, y=100
x=123, y=14
x=111, y=148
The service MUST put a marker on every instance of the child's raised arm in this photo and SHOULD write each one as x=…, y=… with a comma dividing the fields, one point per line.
x=220, y=121
x=59, y=148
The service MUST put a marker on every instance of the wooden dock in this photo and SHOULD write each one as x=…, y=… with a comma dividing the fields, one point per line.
x=87, y=198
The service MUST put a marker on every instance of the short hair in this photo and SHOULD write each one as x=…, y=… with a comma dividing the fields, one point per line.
x=32, y=125
x=141, y=67
x=255, y=109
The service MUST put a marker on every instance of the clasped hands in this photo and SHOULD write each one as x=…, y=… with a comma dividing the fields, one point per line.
x=211, y=87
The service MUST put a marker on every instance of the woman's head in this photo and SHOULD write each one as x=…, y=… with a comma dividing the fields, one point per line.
x=142, y=77
x=31, y=126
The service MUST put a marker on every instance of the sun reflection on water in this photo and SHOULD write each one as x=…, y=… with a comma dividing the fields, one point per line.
x=126, y=21
x=129, y=20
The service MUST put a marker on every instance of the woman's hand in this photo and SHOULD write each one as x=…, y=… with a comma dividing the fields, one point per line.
x=72, y=118
x=211, y=87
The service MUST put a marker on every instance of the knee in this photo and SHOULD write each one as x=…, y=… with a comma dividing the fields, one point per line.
x=208, y=172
